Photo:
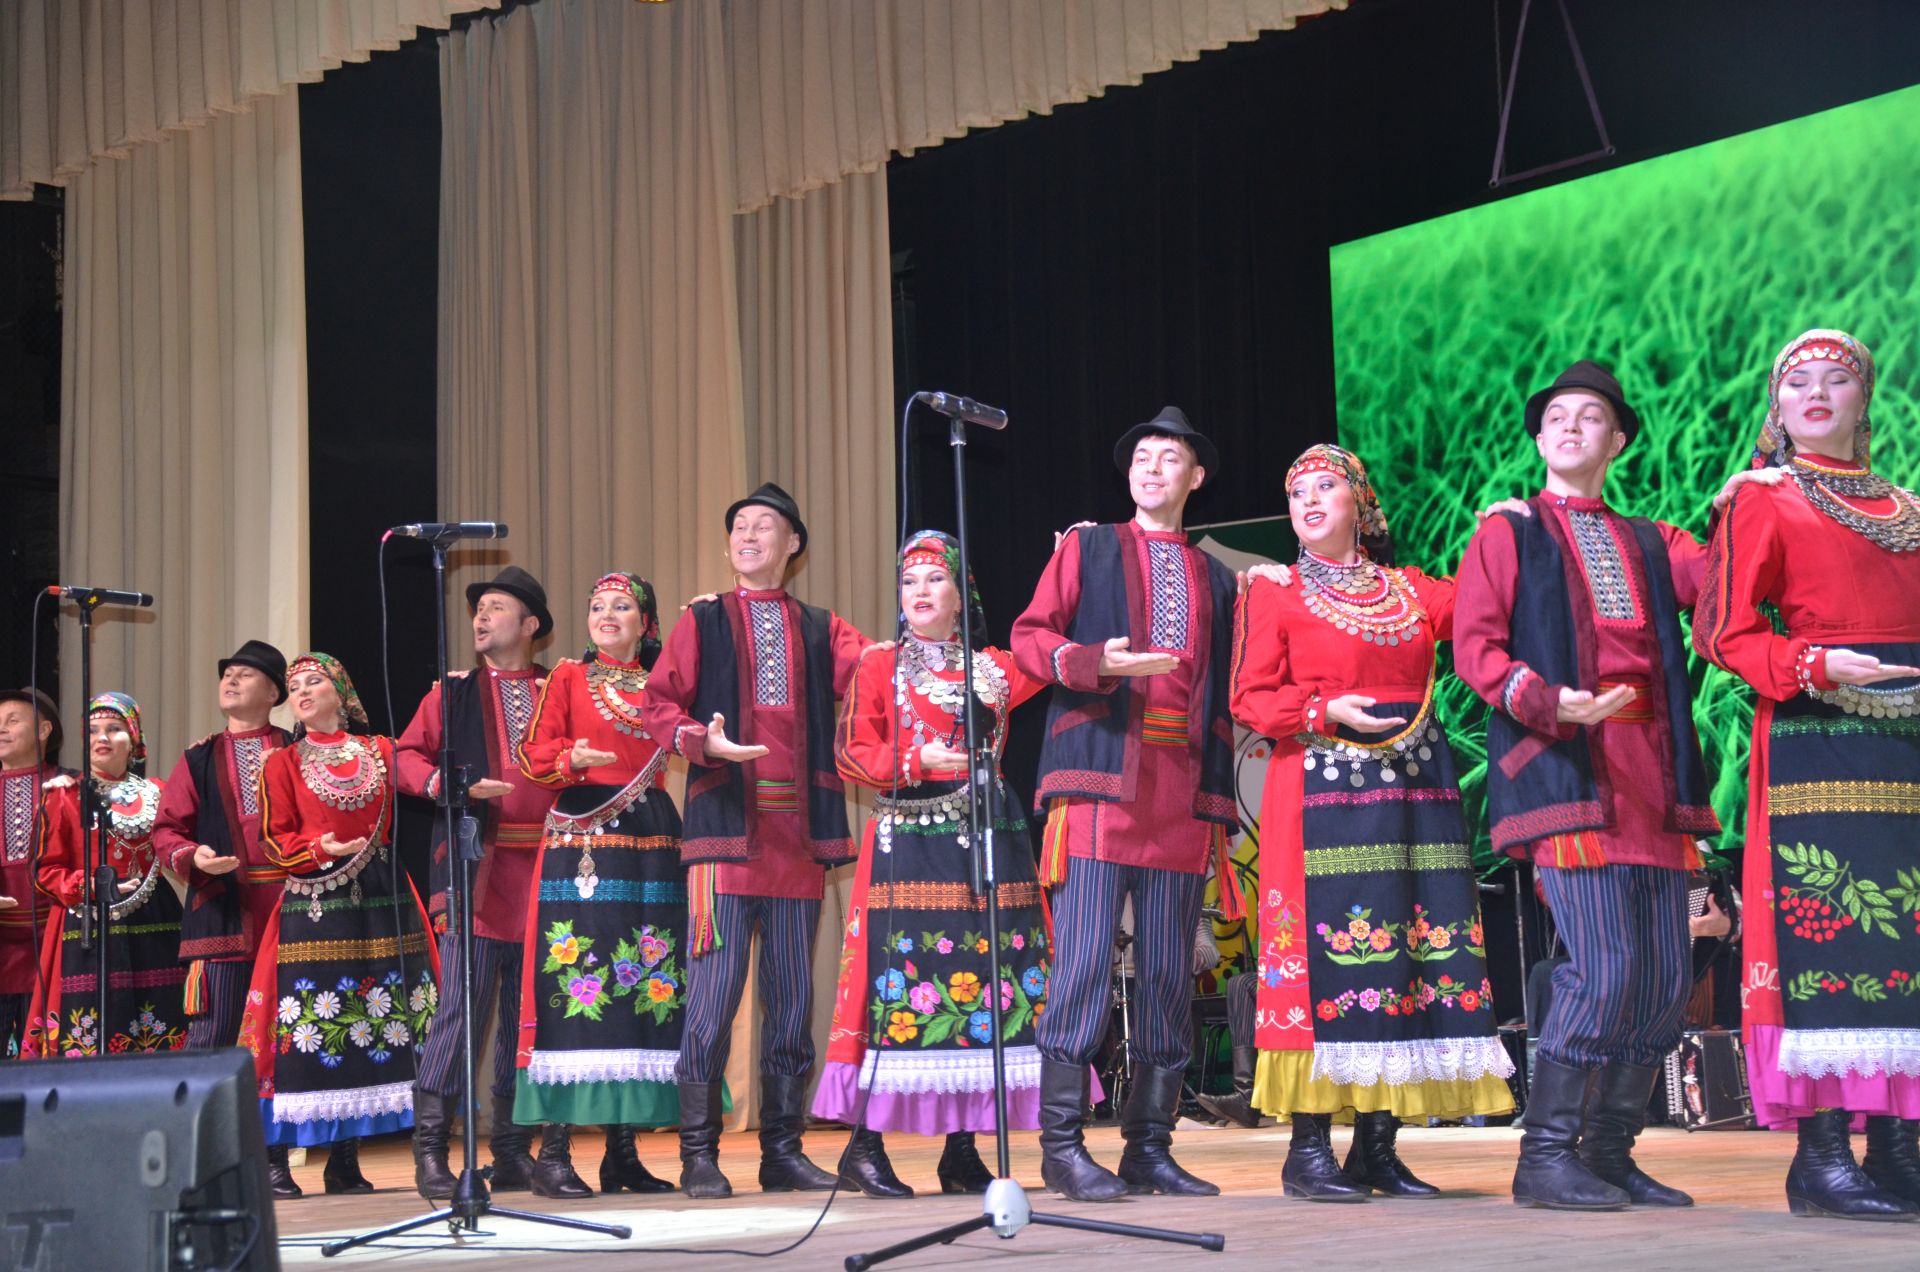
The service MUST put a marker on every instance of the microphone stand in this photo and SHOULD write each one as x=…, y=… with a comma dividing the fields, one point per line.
x=97, y=880
x=470, y=1198
x=1005, y=1208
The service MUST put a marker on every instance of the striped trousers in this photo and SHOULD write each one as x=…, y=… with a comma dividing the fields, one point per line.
x=1622, y=993
x=219, y=1024
x=716, y=979
x=1086, y=917
x=1240, y=1004
x=496, y=965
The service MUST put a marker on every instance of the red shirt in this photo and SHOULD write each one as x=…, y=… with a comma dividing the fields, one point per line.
x=176, y=833
x=503, y=878
x=21, y=793
x=126, y=839
x=1833, y=587
x=864, y=746
x=295, y=817
x=785, y=867
x=1636, y=832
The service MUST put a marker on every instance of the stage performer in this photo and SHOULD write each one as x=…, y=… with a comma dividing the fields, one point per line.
x=911, y=1047
x=1567, y=623
x=491, y=707
x=606, y=958
x=146, y=983
x=1132, y=627
x=343, y=988
x=1832, y=1029
x=1372, y=964
x=29, y=772
x=766, y=815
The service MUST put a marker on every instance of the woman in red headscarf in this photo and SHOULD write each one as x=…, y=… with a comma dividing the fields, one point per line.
x=1373, y=989
x=1832, y=1016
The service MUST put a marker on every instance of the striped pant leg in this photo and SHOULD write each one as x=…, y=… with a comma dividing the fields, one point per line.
x=439, y=1071
x=1593, y=1011
x=219, y=1024
x=1166, y=909
x=1241, y=996
x=785, y=983
x=715, y=981
x=1665, y=965
x=507, y=1026
x=1086, y=916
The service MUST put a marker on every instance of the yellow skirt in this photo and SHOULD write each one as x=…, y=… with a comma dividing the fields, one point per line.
x=1283, y=1084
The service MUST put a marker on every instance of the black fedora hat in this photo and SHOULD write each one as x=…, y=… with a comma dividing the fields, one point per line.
x=266, y=660
x=523, y=587
x=1594, y=378
x=1171, y=422
x=771, y=496
x=45, y=708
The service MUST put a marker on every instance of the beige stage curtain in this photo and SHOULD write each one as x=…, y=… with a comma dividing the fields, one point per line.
x=824, y=88
x=184, y=412
x=83, y=80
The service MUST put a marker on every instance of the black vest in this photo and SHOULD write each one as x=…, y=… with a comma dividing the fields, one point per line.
x=1092, y=739
x=1537, y=787
x=217, y=923
x=470, y=718
x=719, y=817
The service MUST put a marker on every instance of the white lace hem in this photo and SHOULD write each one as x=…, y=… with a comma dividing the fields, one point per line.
x=342, y=1106
x=632, y=1065
x=1405, y=1063
x=946, y=1072
x=1841, y=1053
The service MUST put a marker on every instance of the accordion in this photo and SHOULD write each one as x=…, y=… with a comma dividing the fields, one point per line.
x=1706, y=1082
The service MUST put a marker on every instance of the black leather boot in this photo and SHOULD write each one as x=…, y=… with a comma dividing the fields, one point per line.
x=1237, y=1107
x=342, y=1174
x=866, y=1167
x=1893, y=1156
x=700, y=1176
x=431, y=1175
x=280, y=1175
x=783, y=1167
x=1310, y=1170
x=1146, y=1164
x=1615, y=1117
x=1374, y=1158
x=553, y=1173
x=1065, y=1166
x=961, y=1170
x=510, y=1142
x=1825, y=1180
x=1550, y=1173
x=622, y=1168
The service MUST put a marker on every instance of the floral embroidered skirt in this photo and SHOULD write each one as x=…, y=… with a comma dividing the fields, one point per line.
x=146, y=984
x=342, y=995
x=604, y=987
x=912, y=1023
x=1833, y=979
x=1380, y=976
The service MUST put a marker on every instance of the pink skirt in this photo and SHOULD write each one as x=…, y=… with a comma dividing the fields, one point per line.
x=1779, y=1099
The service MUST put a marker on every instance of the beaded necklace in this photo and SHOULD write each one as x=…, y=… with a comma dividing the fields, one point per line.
x=363, y=780
x=1829, y=489
x=1362, y=599
x=606, y=683
x=921, y=661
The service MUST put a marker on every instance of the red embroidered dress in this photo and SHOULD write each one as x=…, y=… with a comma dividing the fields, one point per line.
x=604, y=981
x=344, y=987
x=20, y=797
x=1373, y=992
x=1833, y=813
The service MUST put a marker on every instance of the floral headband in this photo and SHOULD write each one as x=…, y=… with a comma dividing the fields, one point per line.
x=642, y=593
x=329, y=666
x=127, y=709
x=937, y=547
x=1342, y=463
x=1822, y=344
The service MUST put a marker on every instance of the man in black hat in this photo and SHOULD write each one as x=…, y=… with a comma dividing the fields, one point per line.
x=29, y=759
x=764, y=817
x=1132, y=626
x=208, y=830
x=490, y=707
x=1568, y=623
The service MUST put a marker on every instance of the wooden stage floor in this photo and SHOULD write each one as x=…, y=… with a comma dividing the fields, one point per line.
x=1740, y=1222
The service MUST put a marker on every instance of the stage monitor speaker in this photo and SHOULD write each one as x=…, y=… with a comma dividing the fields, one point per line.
x=150, y=1162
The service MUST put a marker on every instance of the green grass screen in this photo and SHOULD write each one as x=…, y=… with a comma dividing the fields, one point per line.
x=1685, y=275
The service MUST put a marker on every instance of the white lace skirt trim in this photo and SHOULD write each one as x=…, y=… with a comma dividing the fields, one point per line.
x=631, y=1065
x=946, y=1072
x=1840, y=1053
x=342, y=1106
x=1405, y=1063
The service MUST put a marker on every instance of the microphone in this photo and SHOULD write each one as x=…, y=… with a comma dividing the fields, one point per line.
x=99, y=595
x=961, y=408
x=452, y=530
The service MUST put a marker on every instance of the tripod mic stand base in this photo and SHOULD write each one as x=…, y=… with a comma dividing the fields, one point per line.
x=470, y=1204
x=1006, y=1212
